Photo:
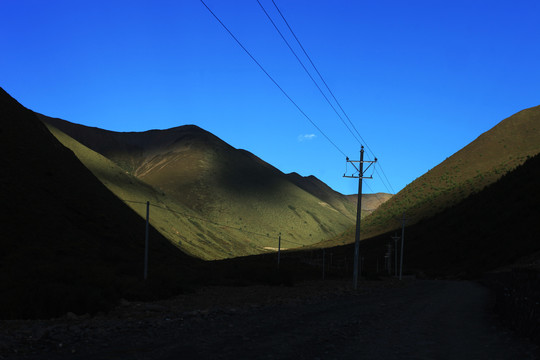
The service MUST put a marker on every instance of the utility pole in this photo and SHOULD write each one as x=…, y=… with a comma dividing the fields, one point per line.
x=388, y=257
x=360, y=177
x=395, y=238
x=146, y=240
x=402, y=241
x=279, y=250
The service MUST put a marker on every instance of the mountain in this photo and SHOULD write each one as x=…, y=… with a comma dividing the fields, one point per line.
x=175, y=221
x=69, y=244
x=494, y=228
x=482, y=162
x=370, y=202
x=227, y=201
x=322, y=191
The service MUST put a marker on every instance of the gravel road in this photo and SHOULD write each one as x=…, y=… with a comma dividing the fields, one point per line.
x=414, y=320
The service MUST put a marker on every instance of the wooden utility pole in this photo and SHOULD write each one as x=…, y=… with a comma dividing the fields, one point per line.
x=279, y=250
x=402, y=241
x=360, y=177
x=388, y=257
x=146, y=240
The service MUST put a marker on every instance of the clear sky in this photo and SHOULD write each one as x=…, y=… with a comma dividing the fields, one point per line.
x=419, y=79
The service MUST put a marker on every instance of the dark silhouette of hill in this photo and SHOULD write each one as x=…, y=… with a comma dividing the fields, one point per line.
x=223, y=185
x=494, y=228
x=480, y=163
x=68, y=244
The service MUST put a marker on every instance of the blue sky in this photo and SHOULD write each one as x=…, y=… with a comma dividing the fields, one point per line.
x=419, y=79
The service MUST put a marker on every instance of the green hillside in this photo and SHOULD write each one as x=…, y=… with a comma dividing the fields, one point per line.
x=469, y=170
x=494, y=228
x=181, y=225
x=316, y=187
x=225, y=202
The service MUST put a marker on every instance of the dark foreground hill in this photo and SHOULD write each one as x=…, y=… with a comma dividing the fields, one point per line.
x=480, y=163
x=494, y=228
x=68, y=244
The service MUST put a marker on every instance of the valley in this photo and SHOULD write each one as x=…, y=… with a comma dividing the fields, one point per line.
x=216, y=216
x=479, y=164
x=269, y=180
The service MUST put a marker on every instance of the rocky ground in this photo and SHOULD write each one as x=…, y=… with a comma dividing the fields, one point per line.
x=413, y=319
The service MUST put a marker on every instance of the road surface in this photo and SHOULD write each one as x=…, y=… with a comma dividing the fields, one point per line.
x=420, y=320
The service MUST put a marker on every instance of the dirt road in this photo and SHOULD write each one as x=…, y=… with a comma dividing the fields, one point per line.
x=420, y=320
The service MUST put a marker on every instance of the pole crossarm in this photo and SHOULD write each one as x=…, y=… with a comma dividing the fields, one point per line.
x=361, y=162
x=356, y=177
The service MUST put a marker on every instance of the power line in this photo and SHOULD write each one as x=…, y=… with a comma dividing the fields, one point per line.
x=315, y=82
x=317, y=70
x=272, y=79
x=306, y=70
x=329, y=90
x=387, y=181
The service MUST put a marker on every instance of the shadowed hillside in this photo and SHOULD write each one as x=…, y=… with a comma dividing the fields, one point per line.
x=67, y=243
x=469, y=170
x=223, y=186
x=183, y=226
x=496, y=227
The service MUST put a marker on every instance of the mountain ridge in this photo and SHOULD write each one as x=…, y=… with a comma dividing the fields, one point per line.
x=227, y=186
x=478, y=164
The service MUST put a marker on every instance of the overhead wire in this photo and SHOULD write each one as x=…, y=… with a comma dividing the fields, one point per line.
x=381, y=201
x=311, y=77
x=316, y=69
x=306, y=70
x=391, y=190
x=272, y=79
x=291, y=100
x=329, y=90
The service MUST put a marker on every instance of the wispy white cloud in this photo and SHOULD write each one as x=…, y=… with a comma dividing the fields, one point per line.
x=306, y=137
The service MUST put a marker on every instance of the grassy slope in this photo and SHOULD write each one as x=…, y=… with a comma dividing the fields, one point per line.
x=477, y=165
x=181, y=225
x=67, y=243
x=316, y=187
x=246, y=192
x=224, y=185
x=496, y=227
